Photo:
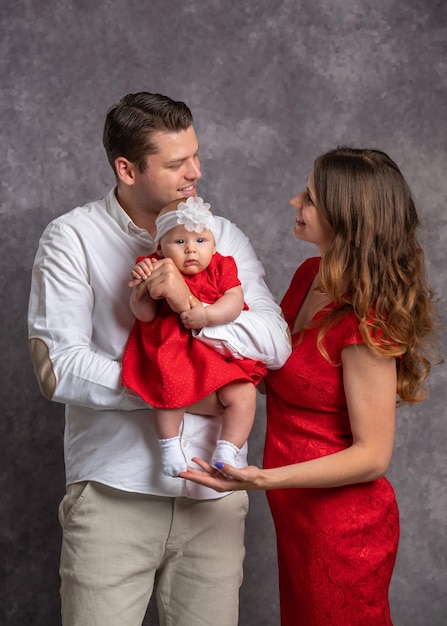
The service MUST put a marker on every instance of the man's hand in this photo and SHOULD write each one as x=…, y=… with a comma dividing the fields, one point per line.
x=166, y=281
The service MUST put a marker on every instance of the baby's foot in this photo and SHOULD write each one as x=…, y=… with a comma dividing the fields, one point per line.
x=172, y=458
x=225, y=452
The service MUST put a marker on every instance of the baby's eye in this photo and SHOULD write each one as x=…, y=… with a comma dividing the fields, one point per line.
x=200, y=240
x=179, y=241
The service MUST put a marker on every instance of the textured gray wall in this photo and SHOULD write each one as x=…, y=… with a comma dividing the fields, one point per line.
x=272, y=84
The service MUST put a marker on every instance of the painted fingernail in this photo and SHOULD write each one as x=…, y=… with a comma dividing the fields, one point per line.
x=219, y=465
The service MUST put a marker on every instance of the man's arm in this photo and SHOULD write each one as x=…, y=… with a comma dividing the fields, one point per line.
x=259, y=333
x=61, y=305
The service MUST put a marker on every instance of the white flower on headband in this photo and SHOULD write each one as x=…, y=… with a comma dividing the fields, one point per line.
x=194, y=215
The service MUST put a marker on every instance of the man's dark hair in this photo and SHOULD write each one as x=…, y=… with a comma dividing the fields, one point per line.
x=130, y=124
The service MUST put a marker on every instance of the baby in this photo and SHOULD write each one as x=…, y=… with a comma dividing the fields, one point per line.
x=164, y=363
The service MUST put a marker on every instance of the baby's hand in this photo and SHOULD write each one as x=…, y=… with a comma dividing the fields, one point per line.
x=140, y=272
x=195, y=317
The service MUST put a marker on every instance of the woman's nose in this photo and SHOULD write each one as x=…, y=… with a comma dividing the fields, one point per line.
x=296, y=201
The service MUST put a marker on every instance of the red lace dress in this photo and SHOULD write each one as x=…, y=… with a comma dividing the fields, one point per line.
x=336, y=547
x=166, y=366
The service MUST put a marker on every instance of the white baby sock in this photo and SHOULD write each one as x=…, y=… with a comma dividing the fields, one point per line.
x=172, y=458
x=225, y=452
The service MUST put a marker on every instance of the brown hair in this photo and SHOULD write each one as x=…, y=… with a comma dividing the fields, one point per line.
x=130, y=124
x=374, y=264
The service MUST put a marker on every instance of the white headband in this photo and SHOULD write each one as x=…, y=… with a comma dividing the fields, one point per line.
x=194, y=215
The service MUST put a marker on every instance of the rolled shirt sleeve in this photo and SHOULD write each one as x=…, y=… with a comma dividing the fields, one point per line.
x=77, y=331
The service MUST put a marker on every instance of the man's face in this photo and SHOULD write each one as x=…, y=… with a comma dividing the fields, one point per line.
x=171, y=173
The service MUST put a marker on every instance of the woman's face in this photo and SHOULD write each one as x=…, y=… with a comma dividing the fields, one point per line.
x=310, y=224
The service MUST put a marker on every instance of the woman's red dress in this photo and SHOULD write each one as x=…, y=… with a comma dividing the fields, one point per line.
x=336, y=547
x=167, y=366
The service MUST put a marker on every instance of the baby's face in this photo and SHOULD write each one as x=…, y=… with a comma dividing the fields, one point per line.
x=191, y=252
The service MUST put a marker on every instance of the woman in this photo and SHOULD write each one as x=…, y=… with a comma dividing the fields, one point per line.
x=361, y=317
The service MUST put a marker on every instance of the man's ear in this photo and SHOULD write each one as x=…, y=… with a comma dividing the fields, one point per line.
x=125, y=170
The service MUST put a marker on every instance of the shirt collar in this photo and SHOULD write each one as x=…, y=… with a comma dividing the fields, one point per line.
x=117, y=212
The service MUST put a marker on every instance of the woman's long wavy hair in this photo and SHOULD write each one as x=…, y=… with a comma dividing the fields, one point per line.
x=374, y=264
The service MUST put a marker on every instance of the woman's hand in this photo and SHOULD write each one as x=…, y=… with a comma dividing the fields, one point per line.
x=226, y=478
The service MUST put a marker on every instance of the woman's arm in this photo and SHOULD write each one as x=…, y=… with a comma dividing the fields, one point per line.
x=370, y=386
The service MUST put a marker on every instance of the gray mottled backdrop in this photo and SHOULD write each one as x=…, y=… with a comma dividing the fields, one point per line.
x=272, y=84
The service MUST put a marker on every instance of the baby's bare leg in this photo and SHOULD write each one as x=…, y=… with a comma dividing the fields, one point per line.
x=167, y=424
x=239, y=400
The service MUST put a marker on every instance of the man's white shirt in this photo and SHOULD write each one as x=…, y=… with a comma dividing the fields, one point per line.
x=79, y=315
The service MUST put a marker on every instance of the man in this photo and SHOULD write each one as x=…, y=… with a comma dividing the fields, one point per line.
x=127, y=526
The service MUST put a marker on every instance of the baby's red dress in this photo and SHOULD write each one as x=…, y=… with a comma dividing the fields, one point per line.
x=336, y=547
x=167, y=366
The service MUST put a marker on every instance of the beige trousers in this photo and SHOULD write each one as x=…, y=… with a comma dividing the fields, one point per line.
x=117, y=545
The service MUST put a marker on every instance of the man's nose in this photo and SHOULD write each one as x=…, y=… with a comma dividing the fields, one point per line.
x=193, y=172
